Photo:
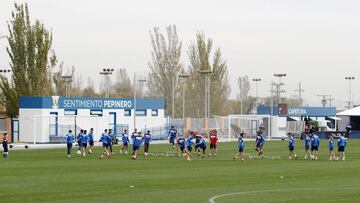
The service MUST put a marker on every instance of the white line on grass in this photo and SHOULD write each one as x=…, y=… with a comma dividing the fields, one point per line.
x=212, y=199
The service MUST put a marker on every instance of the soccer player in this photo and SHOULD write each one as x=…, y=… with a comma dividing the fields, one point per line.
x=125, y=141
x=260, y=141
x=315, y=143
x=189, y=144
x=241, y=147
x=200, y=144
x=137, y=141
x=112, y=141
x=78, y=140
x=105, y=139
x=69, y=142
x=134, y=134
x=181, y=142
x=5, y=146
x=173, y=132
x=331, y=147
x=213, y=142
x=307, y=140
x=147, y=139
x=84, y=141
x=341, y=147
x=292, y=153
x=91, y=140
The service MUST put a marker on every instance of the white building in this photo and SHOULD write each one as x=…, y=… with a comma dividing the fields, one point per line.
x=48, y=119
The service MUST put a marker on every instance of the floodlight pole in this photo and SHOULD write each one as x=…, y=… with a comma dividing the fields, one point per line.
x=135, y=83
x=184, y=76
x=207, y=112
x=256, y=80
x=350, y=78
x=107, y=72
x=278, y=89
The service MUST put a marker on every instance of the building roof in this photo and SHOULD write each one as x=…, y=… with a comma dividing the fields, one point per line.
x=350, y=112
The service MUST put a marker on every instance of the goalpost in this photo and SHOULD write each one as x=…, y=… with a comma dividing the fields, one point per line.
x=247, y=124
x=53, y=128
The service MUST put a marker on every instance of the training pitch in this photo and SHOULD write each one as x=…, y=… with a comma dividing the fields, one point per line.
x=49, y=176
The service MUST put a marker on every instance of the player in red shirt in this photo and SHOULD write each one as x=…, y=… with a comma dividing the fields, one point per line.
x=213, y=141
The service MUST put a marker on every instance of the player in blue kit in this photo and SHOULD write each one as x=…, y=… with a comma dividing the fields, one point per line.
x=260, y=141
x=105, y=139
x=5, y=146
x=173, y=132
x=189, y=144
x=78, y=140
x=200, y=144
x=84, y=141
x=315, y=143
x=331, y=147
x=291, y=146
x=91, y=140
x=241, y=146
x=69, y=142
x=137, y=141
x=181, y=142
x=341, y=147
x=125, y=141
x=307, y=140
x=147, y=139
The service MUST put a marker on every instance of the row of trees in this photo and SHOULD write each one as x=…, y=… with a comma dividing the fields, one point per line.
x=37, y=72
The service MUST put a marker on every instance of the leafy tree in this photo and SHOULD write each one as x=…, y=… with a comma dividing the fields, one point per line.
x=199, y=55
x=31, y=60
x=165, y=65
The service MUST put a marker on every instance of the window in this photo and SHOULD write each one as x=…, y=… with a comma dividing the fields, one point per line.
x=154, y=112
x=70, y=112
x=140, y=112
x=96, y=112
x=127, y=112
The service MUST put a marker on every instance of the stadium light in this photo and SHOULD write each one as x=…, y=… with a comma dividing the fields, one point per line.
x=256, y=80
x=135, y=82
x=207, y=92
x=184, y=76
x=5, y=70
x=350, y=78
x=107, y=72
x=278, y=89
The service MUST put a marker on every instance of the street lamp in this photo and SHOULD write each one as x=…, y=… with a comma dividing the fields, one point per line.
x=256, y=80
x=135, y=82
x=207, y=92
x=67, y=79
x=350, y=78
x=278, y=86
x=107, y=72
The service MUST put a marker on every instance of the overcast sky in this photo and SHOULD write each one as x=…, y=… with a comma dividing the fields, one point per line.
x=316, y=42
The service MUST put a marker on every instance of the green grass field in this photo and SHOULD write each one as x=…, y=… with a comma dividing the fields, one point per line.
x=49, y=176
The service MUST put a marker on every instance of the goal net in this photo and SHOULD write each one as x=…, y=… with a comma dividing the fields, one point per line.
x=53, y=128
x=233, y=125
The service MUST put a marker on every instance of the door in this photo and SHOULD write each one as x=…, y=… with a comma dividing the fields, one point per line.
x=112, y=122
x=54, y=124
x=15, y=130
